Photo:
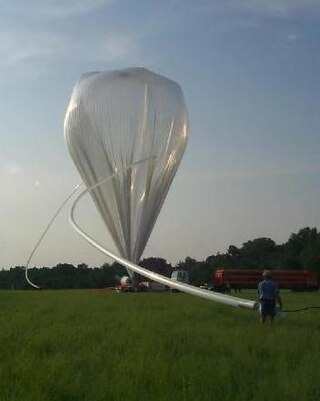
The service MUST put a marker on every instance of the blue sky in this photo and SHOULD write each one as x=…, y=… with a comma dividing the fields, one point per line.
x=250, y=72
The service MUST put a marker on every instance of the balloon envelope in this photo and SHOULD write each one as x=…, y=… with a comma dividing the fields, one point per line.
x=114, y=121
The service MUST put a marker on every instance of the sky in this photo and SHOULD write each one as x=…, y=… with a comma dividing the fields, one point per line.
x=250, y=73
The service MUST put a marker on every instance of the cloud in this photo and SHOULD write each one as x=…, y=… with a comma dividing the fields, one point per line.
x=292, y=37
x=288, y=40
x=118, y=47
x=280, y=8
x=12, y=169
x=56, y=8
x=18, y=49
x=63, y=9
x=36, y=39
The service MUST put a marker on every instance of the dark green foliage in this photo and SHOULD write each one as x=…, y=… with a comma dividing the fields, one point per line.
x=301, y=251
x=310, y=255
x=158, y=265
x=63, y=276
x=302, y=247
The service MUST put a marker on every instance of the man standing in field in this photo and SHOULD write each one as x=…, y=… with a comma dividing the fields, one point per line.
x=268, y=294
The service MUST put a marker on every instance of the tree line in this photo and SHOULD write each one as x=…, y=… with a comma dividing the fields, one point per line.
x=301, y=252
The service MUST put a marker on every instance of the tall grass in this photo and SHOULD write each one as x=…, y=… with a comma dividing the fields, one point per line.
x=94, y=346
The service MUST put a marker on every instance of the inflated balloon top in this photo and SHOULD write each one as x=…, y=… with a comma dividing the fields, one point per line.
x=131, y=125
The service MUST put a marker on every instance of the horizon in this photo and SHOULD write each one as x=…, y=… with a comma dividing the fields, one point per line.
x=111, y=262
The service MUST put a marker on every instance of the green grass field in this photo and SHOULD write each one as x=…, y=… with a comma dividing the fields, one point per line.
x=95, y=345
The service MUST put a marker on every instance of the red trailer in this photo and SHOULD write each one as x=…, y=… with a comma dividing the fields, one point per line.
x=227, y=279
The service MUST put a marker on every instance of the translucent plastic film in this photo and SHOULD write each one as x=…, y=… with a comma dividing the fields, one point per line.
x=113, y=120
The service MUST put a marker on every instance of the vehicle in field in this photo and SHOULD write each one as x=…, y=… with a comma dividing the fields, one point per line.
x=125, y=284
x=225, y=280
x=151, y=286
x=180, y=275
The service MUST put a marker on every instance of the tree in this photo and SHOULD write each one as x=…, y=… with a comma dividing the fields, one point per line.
x=301, y=251
x=157, y=265
x=297, y=246
x=310, y=255
x=258, y=253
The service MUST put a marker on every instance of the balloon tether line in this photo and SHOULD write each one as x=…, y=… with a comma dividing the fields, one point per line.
x=45, y=232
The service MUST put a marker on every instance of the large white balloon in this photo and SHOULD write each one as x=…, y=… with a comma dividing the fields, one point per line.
x=114, y=120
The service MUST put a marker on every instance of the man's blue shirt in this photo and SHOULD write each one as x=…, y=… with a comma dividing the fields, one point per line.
x=268, y=289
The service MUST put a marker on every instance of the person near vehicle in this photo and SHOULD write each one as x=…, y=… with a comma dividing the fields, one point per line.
x=268, y=295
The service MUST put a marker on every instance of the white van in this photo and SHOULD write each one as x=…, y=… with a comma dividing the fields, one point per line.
x=180, y=275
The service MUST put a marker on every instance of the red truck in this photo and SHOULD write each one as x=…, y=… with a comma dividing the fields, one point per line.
x=236, y=279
